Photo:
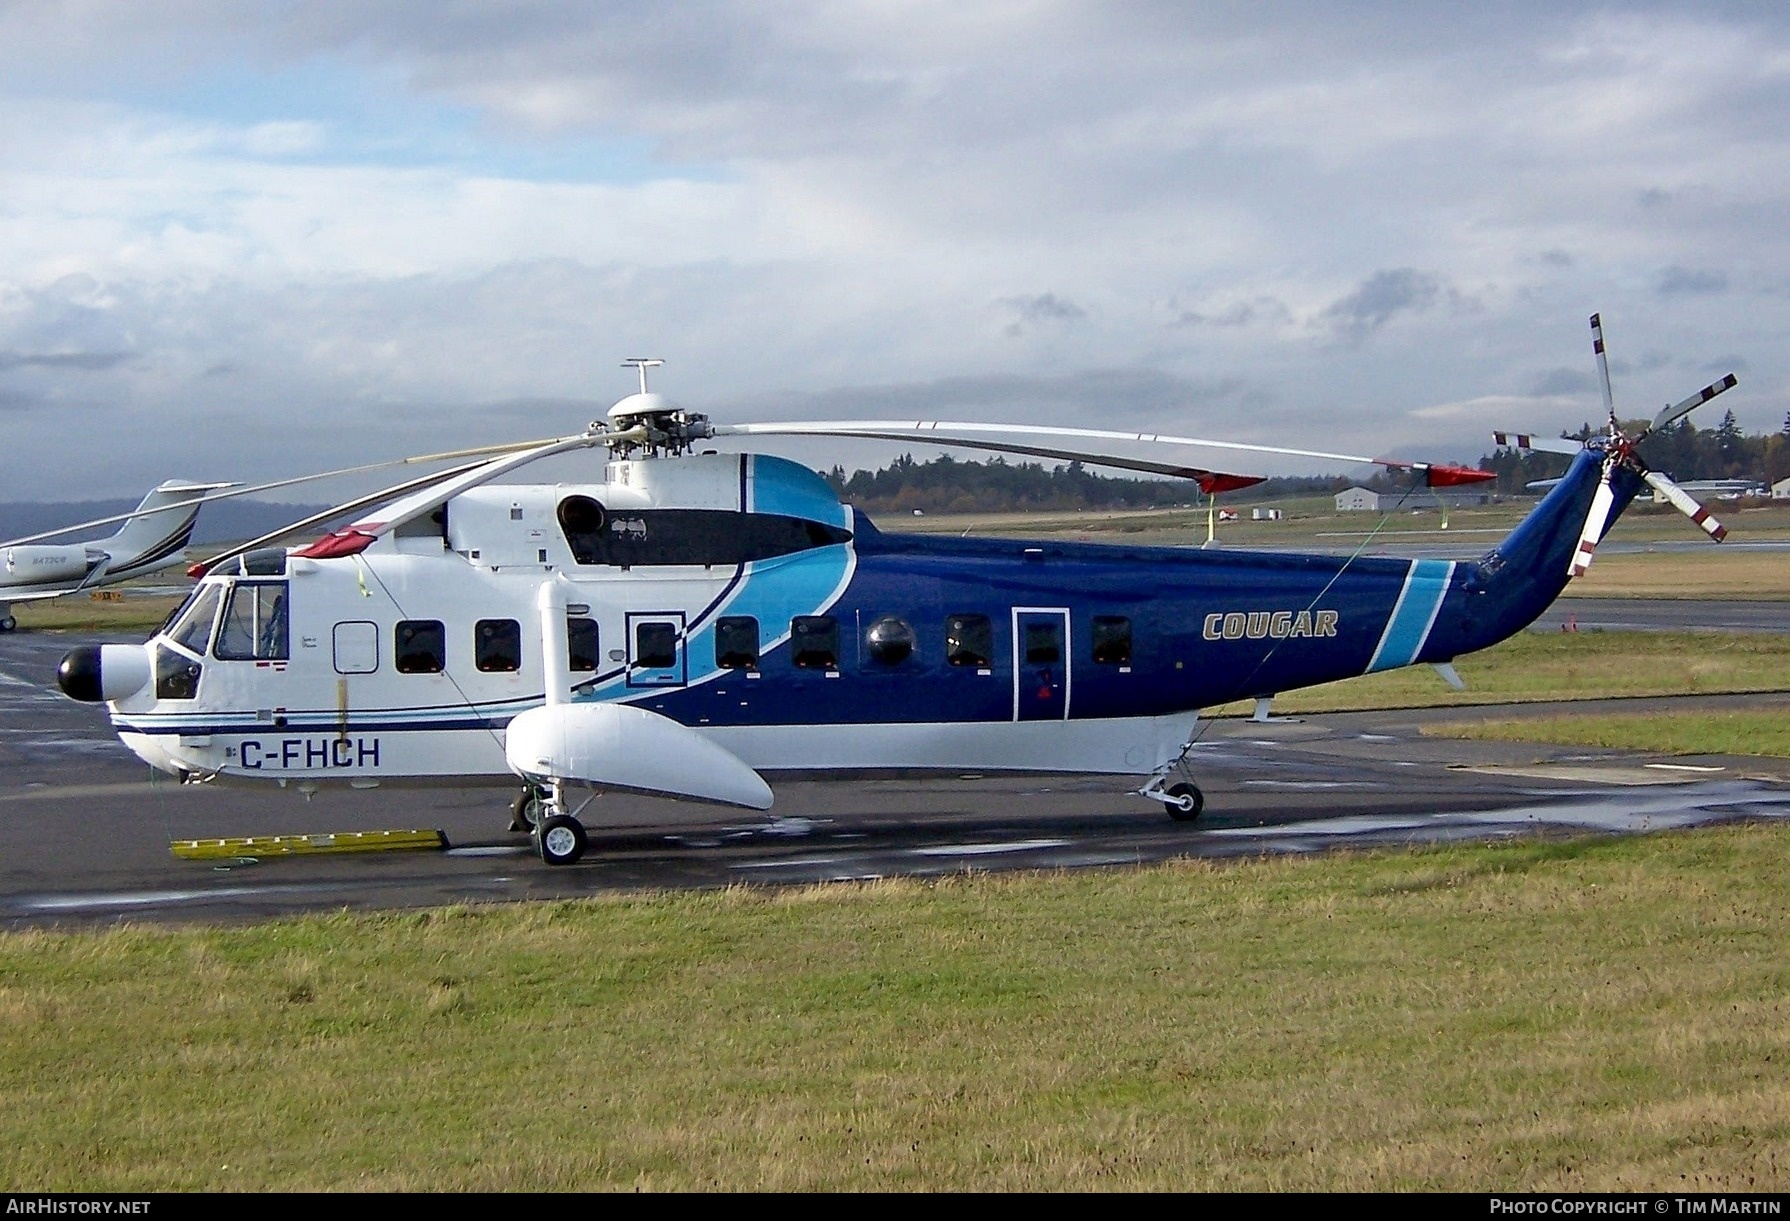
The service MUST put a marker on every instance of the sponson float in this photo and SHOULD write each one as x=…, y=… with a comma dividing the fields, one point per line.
x=693, y=621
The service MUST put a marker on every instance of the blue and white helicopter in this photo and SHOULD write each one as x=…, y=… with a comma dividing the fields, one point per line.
x=696, y=620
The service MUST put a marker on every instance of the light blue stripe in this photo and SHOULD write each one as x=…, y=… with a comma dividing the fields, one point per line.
x=781, y=487
x=1408, y=629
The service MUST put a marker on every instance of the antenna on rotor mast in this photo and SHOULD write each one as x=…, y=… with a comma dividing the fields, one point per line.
x=641, y=363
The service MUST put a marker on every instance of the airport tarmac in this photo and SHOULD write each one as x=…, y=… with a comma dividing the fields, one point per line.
x=86, y=829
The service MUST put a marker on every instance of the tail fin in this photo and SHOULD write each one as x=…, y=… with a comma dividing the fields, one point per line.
x=159, y=531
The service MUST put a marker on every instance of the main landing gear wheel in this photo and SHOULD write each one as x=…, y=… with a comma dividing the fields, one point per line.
x=1183, y=801
x=8, y=624
x=560, y=839
x=525, y=811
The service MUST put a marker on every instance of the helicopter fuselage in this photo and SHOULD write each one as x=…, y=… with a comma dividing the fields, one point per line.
x=735, y=595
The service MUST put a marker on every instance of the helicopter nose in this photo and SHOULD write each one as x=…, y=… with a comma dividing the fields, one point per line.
x=78, y=675
x=97, y=672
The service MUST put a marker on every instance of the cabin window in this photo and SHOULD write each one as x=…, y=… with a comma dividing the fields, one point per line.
x=655, y=646
x=254, y=624
x=969, y=640
x=890, y=640
x=736, y=642
x=1043, y=644
x=497, y=645
x=581, y=645
x=1112, y=640
x=814, y=642
x=420, y=646
x=193, y=631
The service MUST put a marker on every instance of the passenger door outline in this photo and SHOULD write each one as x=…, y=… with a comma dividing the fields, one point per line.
x=1041, y=689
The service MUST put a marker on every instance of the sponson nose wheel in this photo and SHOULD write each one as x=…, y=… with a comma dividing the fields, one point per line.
x=560, y=839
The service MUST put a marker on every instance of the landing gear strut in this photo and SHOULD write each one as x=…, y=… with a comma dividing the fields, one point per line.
x=558, y=836
x=1172, y=784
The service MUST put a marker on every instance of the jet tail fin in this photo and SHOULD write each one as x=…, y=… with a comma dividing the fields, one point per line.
x=159, y=530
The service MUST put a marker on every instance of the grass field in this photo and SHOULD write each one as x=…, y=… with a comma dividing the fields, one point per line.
x=1705, y=733
x=1584, y=1015
x=1599, y=1014
x=1542, y=666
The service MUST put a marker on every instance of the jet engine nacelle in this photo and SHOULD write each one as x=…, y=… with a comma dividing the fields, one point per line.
x=620, y=746
x=47, y=563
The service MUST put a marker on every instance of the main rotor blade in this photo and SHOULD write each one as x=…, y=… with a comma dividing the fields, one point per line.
x=1088, y=445
x=342, y=473
x=316, y=519
x=1679, y=410
x=1603, y=365
x=1601, y=502
x=438, y=490
x=1682, y=501
x=1547, y=445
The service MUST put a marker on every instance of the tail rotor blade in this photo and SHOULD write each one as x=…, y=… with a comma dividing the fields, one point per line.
x=1685, y=505
x=1547, y=445
x=1679, y=410
x=1603, y=365
x=1595, y=521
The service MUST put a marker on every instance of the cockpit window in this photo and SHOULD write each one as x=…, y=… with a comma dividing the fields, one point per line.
x=192, y=631
x=254, y=626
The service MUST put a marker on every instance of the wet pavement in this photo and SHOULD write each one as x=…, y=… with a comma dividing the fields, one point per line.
x=85, y=828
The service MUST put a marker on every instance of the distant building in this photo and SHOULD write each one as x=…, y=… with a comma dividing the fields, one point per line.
x=1264, y=515
x=1355, y=500
x=1705, y=489
x=1781, y=489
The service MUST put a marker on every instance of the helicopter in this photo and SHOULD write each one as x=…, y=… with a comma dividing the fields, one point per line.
x=697, y=620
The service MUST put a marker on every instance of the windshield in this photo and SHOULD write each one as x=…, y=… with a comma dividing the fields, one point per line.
x=192, y=630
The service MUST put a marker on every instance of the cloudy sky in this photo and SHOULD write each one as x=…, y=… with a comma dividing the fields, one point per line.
x=243, y=240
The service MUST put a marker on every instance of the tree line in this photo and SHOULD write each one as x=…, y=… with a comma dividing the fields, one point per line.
x=946, y=484
x=953, y=485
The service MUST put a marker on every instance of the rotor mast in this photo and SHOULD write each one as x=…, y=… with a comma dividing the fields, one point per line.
x=650, y=425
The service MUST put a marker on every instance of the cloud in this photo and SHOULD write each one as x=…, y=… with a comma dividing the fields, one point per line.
x=79, y=361
x=1030, y=312
x=1381, y=297
x=1264, y=310
x=1687, y=281
x=1565, y=382
x=378, y=226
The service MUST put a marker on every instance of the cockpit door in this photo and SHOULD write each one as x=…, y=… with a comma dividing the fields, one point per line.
x=656, y=649
x=1040, y=664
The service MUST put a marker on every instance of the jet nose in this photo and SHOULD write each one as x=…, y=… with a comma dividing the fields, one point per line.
x=95, y=673
x=78, y=675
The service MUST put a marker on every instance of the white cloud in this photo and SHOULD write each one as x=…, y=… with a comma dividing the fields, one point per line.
x=282, y=229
